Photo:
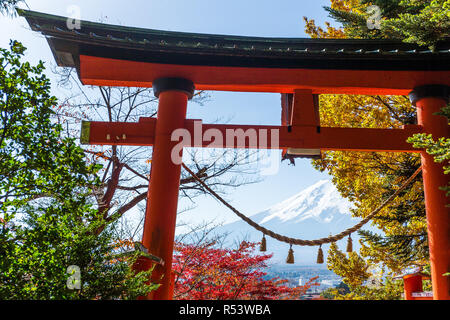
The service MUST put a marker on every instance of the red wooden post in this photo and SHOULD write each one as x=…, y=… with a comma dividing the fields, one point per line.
x=429, y=100
x=412, y=283
x=162, y=200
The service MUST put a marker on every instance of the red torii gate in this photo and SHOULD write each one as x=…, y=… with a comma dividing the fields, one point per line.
x=299, y=69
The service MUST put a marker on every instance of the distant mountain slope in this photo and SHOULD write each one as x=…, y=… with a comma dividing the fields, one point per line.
x=313, y=213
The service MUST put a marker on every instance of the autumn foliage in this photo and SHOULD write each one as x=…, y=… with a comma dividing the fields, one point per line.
x=208, y=273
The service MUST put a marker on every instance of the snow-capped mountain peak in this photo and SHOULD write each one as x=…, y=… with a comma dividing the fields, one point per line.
x=314, y=202
x=315, y=212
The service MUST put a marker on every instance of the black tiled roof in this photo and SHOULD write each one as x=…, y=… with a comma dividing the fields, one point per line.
x=137, y=44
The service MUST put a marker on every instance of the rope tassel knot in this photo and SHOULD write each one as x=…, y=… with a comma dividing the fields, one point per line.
x=263, y=245
x=290, y=257
x=349, y=244
x=320, y=255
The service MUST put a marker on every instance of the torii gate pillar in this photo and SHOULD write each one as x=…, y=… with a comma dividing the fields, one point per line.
x=429, y=100
x=162, y=199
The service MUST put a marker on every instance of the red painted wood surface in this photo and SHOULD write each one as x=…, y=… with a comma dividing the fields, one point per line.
x=438, y=213
x=142, y=133
x=113, y=72
x=162, y=199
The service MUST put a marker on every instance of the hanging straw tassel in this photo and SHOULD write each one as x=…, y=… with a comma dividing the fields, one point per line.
x=320, y=255
x=263, y=245
x=290, y=257
x=349, y=244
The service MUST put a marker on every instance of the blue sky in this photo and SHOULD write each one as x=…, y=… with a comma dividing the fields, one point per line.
x=244, y=17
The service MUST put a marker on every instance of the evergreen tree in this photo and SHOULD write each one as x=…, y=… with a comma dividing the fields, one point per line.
x=421, y=22
x=47, y=222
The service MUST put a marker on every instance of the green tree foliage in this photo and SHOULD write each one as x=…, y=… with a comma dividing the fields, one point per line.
x=360, y=282
x=424, y=22
x=36, y=256
x=353, y=269
x=35, y=161
x=46, y=218
x=421, y=22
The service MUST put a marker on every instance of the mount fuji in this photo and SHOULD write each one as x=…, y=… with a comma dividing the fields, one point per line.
x=316, y=212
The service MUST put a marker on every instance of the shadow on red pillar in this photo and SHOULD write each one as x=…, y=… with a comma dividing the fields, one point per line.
x=429, y=100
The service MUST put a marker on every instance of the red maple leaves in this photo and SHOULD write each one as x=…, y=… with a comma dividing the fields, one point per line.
x=205, y=272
